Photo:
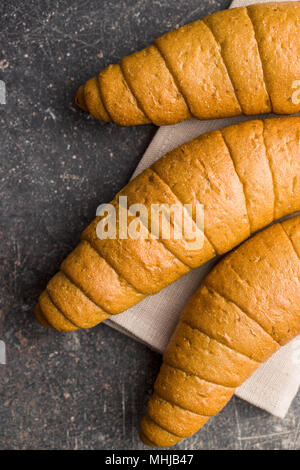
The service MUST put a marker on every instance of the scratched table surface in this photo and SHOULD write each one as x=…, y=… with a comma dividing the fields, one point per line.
x=88, y=389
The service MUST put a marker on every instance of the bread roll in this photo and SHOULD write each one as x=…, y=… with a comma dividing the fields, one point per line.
x=239, y=61
x=245, y=175
x=245, y=310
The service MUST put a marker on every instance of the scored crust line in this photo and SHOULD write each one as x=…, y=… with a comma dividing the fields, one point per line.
x=59, y=310
x=102, y=96
x=260, y=56
x=138, y=102
x=242, y=184
x=211, y=289
x=196, y=375
x=224, y=63
x=218, y=341
x=165, y=182
x=180, y=406
x=93, y=245
x=78, y=286
x=179, y=89
x=270, y=166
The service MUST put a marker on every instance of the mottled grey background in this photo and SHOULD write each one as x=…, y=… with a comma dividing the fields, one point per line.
x=85, y=390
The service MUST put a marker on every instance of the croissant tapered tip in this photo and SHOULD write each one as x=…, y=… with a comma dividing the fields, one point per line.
x=145, y=440
x=88, y=99
x=40, y=317
x=79, y=99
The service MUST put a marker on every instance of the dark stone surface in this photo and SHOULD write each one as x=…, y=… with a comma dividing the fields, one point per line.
x=85, y=390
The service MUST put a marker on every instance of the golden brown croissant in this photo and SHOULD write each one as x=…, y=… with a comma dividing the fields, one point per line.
x=239, y=61
x=246, y=176
x=246, y=308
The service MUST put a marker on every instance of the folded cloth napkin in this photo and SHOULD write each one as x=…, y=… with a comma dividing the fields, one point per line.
x=274, y=385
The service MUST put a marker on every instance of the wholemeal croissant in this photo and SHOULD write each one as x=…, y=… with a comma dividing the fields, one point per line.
x=245, y=175
x=239, y=61
x=246, y=308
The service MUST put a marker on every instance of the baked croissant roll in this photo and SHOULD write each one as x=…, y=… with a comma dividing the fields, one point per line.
x=245, y=175
x=245, y=310
x=239, y=61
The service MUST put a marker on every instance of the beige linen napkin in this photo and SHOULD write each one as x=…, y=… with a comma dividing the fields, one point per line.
x=274, y=385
